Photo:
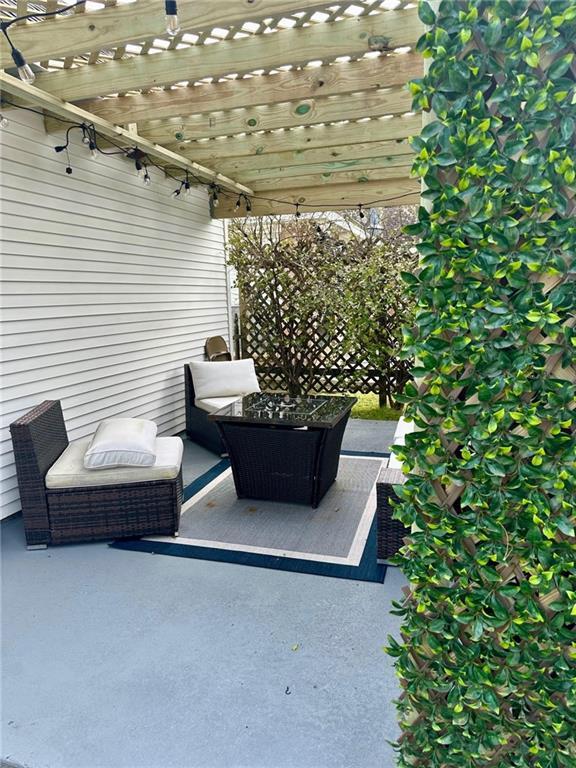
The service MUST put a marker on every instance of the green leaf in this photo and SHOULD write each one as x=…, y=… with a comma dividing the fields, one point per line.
x=566, y=526
x=560, y=66
x=493, y=33
x=426, y=14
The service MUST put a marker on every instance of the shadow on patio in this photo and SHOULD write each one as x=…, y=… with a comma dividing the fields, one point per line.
x=126, y=660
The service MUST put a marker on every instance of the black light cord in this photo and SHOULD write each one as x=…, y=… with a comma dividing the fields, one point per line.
x=25, y=72
x=39, y=15
x=212, y=186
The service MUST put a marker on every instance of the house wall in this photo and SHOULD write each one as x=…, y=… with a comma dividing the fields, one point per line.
x=109, y=286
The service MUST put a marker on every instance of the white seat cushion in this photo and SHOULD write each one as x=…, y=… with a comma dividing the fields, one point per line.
x=224, y=379
x=122, y=443
x=69, y=471
x=213, y=404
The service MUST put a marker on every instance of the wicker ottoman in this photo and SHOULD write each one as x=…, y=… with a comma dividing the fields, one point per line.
x=390, y=532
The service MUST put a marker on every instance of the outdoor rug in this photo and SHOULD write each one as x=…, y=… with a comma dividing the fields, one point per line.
x=337, y=539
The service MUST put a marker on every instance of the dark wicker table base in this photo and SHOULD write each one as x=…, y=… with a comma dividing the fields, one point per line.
x=283, y=464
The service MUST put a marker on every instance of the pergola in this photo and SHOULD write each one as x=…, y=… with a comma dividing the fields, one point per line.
x=286, y=101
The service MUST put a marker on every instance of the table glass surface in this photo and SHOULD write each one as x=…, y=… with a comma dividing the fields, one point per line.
x=263, y=408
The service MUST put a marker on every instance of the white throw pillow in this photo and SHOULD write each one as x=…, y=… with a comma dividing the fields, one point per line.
x=122, y=443
x=224, y=379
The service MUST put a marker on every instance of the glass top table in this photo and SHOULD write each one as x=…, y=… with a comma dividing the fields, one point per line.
x=321, y=411
x=284, y=448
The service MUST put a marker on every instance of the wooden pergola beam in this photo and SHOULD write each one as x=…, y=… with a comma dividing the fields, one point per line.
x=360, y=176
x=135, y=22
x=323, y=41
x=300, y=141
x=337, y=197
x=292, y=114
x=74, y=114
x=335, y=79
x=323, y=160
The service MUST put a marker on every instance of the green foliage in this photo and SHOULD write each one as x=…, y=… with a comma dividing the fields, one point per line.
x=287, y=287
x=488, y=653
x=326, y=294
x=373, y=304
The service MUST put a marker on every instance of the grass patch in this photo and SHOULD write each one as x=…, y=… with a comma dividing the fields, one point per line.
x=367, y=408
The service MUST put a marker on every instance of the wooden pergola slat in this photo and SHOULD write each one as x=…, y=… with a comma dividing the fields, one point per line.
x=359, y=176
x=291, y=176
x=302, y=139
x=111, y=27
x=336, y=79
x=324, y=41
x=288, y=115
x=323, y=160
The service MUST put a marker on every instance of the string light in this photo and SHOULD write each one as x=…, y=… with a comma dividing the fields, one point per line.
x=214, y=199
x=25, y=71
x=137, y=156
x=141, y=161
x=172, y=23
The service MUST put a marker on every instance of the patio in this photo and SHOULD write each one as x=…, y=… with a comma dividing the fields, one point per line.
x=115, y=272
x=115, y=658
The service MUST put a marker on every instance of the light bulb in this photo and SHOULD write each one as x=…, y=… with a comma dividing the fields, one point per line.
x=85, y=139
x=26, y=74
x=147, y=179
x=187, y=190
x=25, y=71
x=215, y=201
x=4, y=122
x=93, y=154
x=172, y=23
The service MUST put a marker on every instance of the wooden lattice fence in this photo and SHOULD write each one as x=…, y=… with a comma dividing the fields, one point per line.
x=327, y=367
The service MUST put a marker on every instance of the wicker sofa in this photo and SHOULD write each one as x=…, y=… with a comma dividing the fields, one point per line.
x=87, y=513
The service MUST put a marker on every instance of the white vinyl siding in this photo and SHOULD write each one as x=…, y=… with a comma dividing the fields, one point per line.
x=108, y=287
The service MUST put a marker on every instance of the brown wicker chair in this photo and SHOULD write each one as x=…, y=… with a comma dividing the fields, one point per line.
x=61, y=515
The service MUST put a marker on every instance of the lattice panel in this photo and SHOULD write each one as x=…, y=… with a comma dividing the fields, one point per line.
x=326, y=367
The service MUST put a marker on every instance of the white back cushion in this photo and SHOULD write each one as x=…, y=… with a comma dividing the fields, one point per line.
x=122, y=443
x=224, y=379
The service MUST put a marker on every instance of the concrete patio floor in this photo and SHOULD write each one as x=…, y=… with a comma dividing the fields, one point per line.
x=116, y=659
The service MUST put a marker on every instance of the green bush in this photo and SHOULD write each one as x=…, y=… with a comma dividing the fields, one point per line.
x=487, y=658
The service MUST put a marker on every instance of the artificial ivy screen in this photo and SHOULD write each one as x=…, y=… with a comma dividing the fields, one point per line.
x=487, y=659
